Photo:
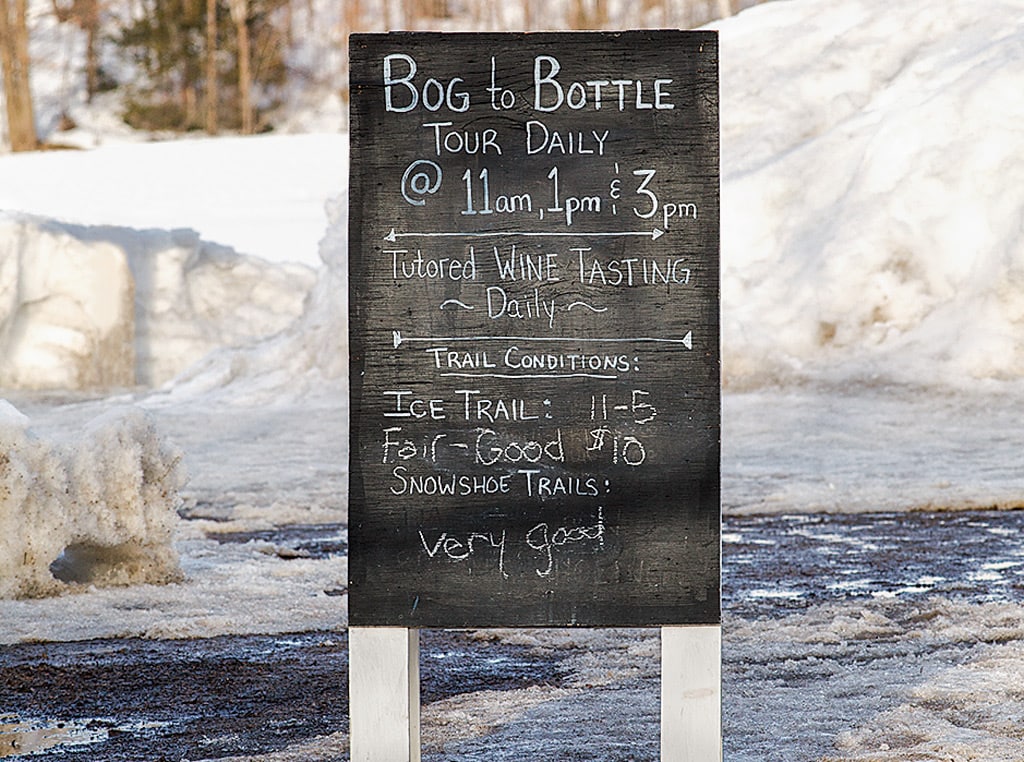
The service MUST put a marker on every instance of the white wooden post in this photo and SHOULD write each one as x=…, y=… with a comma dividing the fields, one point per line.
x=384, y=694
x=691, y=694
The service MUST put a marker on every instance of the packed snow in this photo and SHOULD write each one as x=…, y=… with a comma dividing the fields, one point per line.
x=873, y=358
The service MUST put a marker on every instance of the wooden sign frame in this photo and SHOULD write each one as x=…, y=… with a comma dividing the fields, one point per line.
x=534, y=354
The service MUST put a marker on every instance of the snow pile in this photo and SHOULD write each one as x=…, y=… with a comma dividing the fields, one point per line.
x=66, y=310
x=100, y=510
x=308, y=358
x=870, y=227
x=86, y=307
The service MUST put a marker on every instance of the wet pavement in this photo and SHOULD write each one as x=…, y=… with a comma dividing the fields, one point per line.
x=130, y=700
x=773, y=565
x=124, y=700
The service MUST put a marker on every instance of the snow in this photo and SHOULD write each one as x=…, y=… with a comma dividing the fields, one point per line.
x=873, y=339
x=96, y=510
x=100, y=306
x=261, y=195
x=868, y=234
x=65, y=315
x=308, y=359
x=801, y=418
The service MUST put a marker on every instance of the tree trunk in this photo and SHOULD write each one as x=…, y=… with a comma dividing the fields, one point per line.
x=353, y=19
x=212, y=90
x=89, y=20
x=92, y=63
x=585, y=17
x=240, y=17
x=14, y=60
x=578, y=17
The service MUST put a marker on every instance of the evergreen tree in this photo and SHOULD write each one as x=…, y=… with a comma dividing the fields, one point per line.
x=192, y=75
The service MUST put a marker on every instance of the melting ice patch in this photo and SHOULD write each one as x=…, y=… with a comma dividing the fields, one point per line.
x=98, y=510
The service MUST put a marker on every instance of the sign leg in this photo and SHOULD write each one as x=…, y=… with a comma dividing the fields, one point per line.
x=691, y=694
x=384, y=694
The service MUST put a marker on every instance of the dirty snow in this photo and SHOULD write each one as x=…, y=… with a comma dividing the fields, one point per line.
x=869, y=232
x=96, y=509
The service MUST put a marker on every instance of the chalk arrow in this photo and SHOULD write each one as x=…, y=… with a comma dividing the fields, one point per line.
x=654, y=234
x=686, y=341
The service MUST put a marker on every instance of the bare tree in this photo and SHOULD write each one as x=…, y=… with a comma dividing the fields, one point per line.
x=14, y=60
x=589, y=15
x=212, y=93
x=578, y=16
x=240, y=17
x=86, y=15
x=89, y=20
x=353, y=19
x=351, y=22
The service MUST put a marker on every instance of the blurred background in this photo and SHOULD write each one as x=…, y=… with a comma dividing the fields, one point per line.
x=241, y=66
x=173, y=271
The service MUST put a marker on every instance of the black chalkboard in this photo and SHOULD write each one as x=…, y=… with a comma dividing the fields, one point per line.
x=534, y=329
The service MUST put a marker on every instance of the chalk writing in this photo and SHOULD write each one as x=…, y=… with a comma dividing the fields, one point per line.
x=534, y=329
x=543, y=539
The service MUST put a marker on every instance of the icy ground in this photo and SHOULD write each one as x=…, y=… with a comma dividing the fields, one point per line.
x=873, y=330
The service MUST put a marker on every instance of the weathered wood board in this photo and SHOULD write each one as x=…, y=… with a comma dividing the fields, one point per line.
x=534, y=329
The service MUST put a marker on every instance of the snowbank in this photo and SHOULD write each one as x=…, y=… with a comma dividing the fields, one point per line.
x=262, y=195
x=310, y=357
x=93, y=307
x=869, y=153
x=66, y=310
x=99, y=510
x=872, y=228
x=867, y=234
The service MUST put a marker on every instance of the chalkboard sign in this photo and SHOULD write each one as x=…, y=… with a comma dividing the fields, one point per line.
x=534, y=301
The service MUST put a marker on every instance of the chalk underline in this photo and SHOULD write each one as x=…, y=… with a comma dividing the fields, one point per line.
x=542, y=338
x=531, y=375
